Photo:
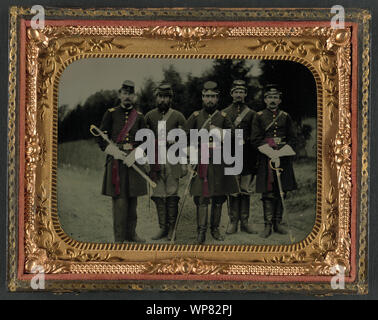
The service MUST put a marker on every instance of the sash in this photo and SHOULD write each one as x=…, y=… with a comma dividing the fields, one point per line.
x=167, y=115
x=122, y=134
x=241, y=116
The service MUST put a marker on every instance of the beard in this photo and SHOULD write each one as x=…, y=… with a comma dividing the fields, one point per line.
x=163, y=106
x=127, y=103
x=210, y=108
x=273, y=107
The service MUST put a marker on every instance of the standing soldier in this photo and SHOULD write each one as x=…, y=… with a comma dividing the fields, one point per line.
x=242, y=118
x=273, y=129
x=120, y=182
x=210, y=184
x=167, y=176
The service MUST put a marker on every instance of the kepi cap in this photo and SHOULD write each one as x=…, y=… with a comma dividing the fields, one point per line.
x=210, y=86
x=272, y=89
x=128, y=85
x=164, y=89
x=238, y=84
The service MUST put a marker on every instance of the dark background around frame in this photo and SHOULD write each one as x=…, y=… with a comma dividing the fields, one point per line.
x=373, y=175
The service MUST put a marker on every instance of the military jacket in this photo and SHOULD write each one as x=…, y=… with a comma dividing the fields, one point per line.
x=281, y=131
x=175, y=121
x=249, y=151
x=281, y=128
x=131, y=183
x=219, y=184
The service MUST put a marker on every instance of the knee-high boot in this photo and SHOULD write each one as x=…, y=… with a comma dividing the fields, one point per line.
x=244, y=214
x=269, y=208
x=277, y=218
x=215, y=218
x=172, y=211
x=162, y=218
x=132, y=222
x=234, y=214
x=202, y=213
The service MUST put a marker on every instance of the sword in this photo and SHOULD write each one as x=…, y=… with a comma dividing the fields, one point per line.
x=129, y=159
x=278, y=173
x=228, y=211
x=187, y=188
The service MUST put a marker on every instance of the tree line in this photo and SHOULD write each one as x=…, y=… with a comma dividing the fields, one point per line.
x=296, y=81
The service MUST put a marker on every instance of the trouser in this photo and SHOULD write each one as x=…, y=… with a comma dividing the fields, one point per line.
x=124, y=218
x=166, y=184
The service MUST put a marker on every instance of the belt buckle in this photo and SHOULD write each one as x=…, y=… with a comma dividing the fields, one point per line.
x=277, y=140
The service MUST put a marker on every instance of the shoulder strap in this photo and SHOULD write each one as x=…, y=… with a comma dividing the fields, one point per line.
x=167, y=115
x=241, y=116
x=208, y=120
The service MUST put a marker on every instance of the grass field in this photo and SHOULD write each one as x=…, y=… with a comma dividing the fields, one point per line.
x=86, y=215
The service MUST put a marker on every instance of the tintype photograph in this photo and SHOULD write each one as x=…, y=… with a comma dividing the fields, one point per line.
x=270, y=199
x=189, y=149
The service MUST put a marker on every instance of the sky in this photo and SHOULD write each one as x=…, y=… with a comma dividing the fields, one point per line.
x=87, y=76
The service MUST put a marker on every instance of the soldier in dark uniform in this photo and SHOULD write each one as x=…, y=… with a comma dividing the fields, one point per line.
x=210, y=184
x=273, y=129
x=242, y=116
x=120, y=182
x=166, y=176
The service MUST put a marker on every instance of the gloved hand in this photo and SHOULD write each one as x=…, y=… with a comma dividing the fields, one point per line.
x=286, y=151
x=276, y=162
x=184, y=170
x=112, y=150
x=268, y=151
x=146, y=168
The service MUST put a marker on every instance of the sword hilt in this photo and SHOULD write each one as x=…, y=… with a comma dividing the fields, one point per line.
x=274, y=168
x=94, y=130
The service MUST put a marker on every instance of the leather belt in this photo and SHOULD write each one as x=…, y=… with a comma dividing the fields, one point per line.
x=278, y=140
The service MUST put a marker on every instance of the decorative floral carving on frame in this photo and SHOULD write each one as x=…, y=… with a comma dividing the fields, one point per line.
x=186, y=266
x=52, y=48
x=187, y=38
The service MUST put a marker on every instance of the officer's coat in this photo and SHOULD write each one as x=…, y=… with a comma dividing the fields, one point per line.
x=282, y=128
x=131, y=183
x=219, y=183
x=175, y=121
x=249, y=151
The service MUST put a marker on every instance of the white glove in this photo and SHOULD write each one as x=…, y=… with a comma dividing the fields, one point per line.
x=112, y=150
x=286, y=151
x=140, y=156
x=276, y=162
x=268, y=151
x=184, y=170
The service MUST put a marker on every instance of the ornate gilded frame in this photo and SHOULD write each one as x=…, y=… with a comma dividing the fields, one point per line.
x=339, y=236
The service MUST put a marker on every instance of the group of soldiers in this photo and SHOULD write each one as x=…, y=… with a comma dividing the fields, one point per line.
x=265, y=133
